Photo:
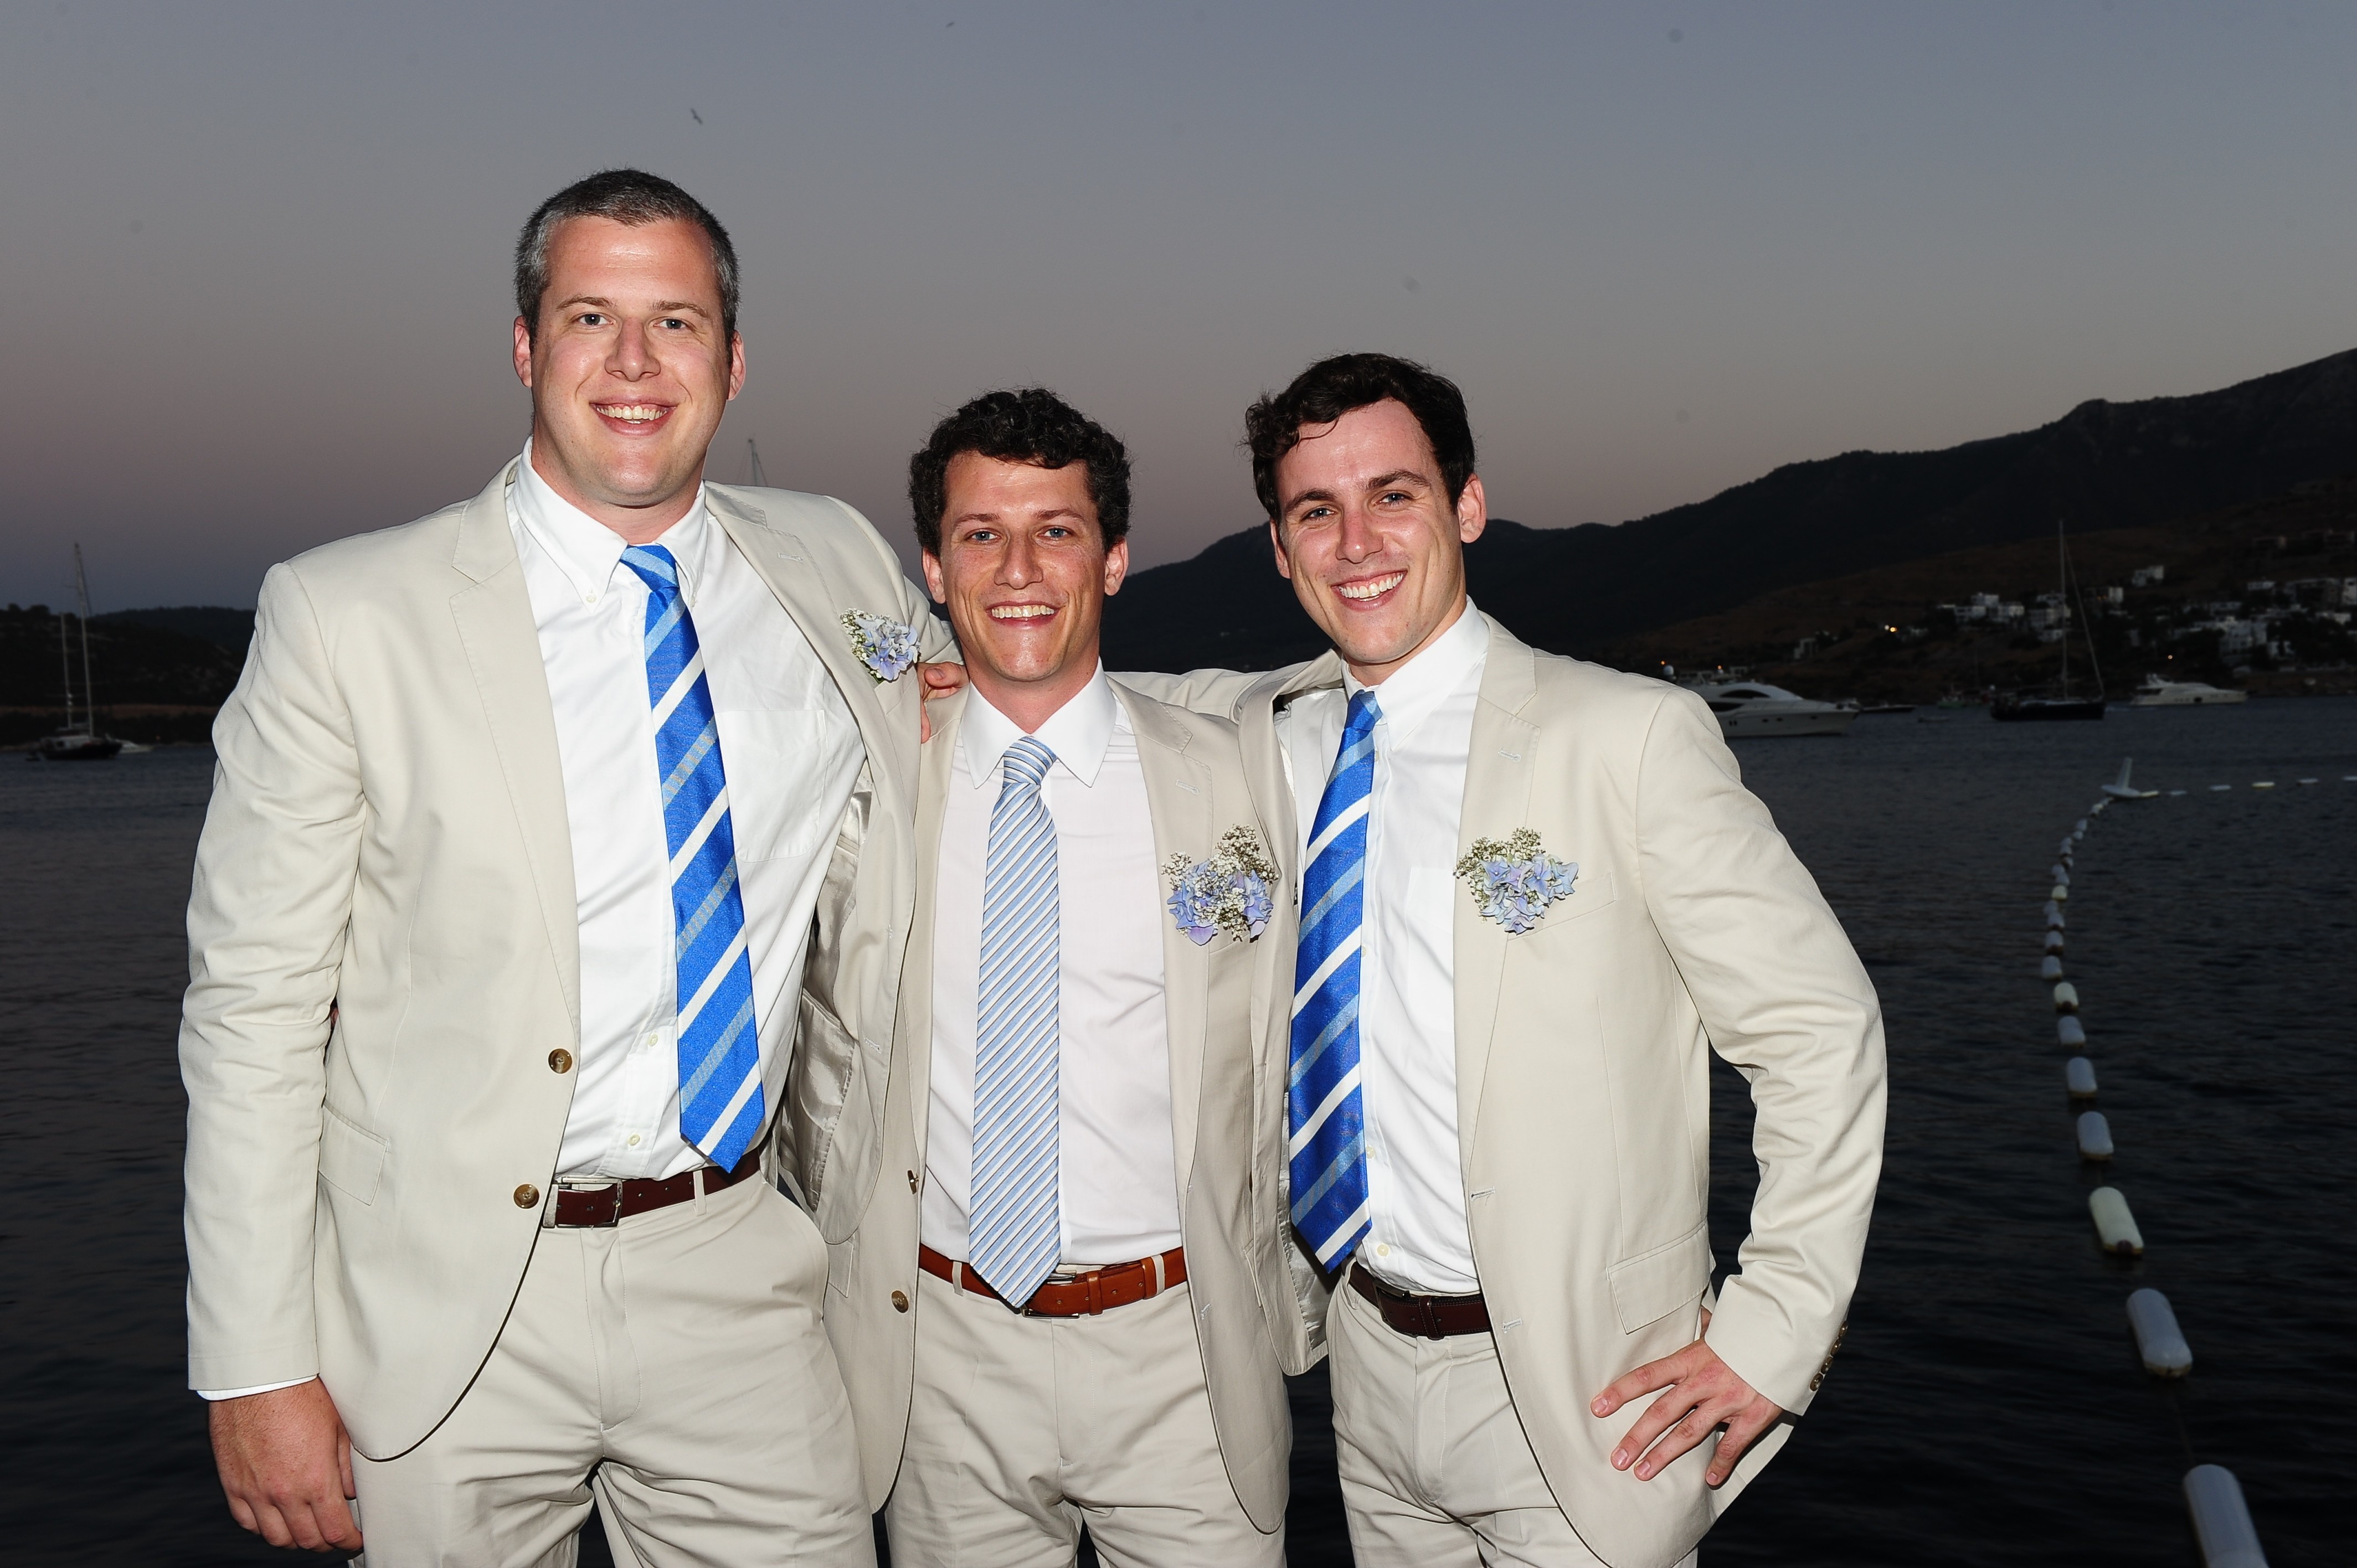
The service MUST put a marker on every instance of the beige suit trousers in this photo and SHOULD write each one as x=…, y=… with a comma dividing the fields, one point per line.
x=1023, y=1429
x=675, y=1365
x=1435, y=1470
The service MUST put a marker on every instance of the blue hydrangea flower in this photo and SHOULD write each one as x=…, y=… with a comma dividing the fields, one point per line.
x=1227, y=891
x=1513, y=882
x=888, y=648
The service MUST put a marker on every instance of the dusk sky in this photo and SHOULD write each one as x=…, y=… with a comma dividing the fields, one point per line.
x=253, y=263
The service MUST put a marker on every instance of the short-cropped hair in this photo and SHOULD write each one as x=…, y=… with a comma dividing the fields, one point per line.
x=1029, y=425
x=1332, y=387
x=625, y=196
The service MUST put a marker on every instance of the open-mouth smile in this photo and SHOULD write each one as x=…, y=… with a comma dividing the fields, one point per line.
x=1369, y=590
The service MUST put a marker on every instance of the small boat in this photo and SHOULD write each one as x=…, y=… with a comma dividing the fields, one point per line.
x=78, y=742
x=1749, y=710
x=2158, y=692
x=2121, y=790
x=1886, y=708
x=2020, y=706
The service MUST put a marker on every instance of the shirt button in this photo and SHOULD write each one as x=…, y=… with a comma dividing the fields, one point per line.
x=560, y=1061
x=899, y=1301
x=527, y=1196
x=634, y=1139
x=1383, y=1250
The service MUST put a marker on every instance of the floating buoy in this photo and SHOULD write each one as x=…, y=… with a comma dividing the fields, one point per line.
x=2078, y=829
x=2066, y=996
x=2066, y=847
x=2094, y=1136
x=2061, y=874
x=2113, y=1224
x=2061, y=893
x=2079, y=1077
x=2220, y=789
x=2054, y=941
x=2158, y=1340
x=2050, y=968
x=2069, y=1031
x=2265, y=784
x=2098, y=808
x=2053, y=915
x=2221, y=1520
x=2176, y=792
x=2307, y=780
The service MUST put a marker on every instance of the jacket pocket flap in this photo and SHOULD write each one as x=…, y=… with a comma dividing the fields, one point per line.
x=351, y=1158
x=1653, y=1285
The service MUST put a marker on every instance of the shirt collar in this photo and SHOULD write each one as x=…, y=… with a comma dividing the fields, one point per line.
x=1079, y=733
x=588, y=552
x=1420, y=685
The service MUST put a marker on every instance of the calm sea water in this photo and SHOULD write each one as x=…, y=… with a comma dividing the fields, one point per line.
x=1988, y=1406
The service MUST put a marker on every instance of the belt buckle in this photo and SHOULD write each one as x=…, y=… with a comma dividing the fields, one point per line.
x=589, y=1183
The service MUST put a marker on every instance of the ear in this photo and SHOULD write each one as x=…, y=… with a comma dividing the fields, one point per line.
x=1277, y=543
x=523, y=351
x=1117, y=566
x=1472, y=509
x=935, y=583
x=735, y=365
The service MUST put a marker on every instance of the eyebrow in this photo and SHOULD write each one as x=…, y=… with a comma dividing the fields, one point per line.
x=1380, y=481
x=663, y=307
x=1049, y=515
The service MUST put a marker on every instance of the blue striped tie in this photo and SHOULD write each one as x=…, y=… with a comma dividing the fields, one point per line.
x=720, y=1108
x=1329, y=1152
x=1018, y=1230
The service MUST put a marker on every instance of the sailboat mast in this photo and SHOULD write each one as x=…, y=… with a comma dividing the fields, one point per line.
x=753, y=464
x=2062, y=586
x=65, y=658
x=89, y=687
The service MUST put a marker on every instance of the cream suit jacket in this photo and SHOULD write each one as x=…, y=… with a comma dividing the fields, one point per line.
x=388, y=838
x=1583, y=1092
x=1227, y=1100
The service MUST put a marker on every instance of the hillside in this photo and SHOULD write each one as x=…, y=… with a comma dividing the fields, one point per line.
x=2104, y=467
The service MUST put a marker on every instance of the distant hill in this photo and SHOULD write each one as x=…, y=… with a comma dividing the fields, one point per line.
x=228, y=628
x=2103, y=465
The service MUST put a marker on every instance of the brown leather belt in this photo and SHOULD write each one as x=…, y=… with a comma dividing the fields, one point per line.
x=1073, y=1296
x=1427, y=1316
x=594, y=1208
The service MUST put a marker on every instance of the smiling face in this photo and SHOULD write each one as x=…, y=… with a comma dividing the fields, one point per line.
x=630, y=370
x=1024, y=572
x=1367, y=534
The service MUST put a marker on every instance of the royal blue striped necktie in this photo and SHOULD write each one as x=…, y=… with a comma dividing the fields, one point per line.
x=720, y=1100
x=1327, y=1150
x=1017, y=1234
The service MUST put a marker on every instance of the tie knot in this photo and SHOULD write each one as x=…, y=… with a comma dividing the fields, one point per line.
x=654, y=566
x=1025, y=764
x=1365, y=715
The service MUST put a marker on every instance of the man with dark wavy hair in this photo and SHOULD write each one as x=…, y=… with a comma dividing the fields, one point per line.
x=523, y=815
x=1066, y=1302
x=1533, y=897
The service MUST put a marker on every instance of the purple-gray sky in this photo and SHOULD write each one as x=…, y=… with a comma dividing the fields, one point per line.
x=253, y=259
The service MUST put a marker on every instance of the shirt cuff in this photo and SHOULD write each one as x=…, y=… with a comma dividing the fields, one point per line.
x=257, y=1388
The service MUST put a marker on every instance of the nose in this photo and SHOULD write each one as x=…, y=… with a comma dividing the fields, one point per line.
x=1019, y=567
x=1355, y=537
x=633, y=355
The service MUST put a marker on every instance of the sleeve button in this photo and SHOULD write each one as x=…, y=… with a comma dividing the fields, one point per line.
x=560, y=1061
x=899, y=1301
x=527, y=1196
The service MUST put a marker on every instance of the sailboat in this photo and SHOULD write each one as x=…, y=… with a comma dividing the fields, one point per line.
x=77, y=743
x=2015, y=706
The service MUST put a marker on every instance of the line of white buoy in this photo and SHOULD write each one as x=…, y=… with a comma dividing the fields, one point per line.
x=2222, y=1518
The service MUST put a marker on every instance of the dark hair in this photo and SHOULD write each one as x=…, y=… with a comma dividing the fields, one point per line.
x=625, y=196
x=1332, y=387
x=1033, y=425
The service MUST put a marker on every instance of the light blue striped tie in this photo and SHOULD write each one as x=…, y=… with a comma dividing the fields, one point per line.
x=1018, y=1224
x=720, y=1108
x=1328, y=1151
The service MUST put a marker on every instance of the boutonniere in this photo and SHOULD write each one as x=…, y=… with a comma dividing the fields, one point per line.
x=1230, y=891
x=889, y=648
x=1513, y=883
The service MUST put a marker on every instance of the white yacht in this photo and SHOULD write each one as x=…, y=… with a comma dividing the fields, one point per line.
x=2157, y=693
x=1748, y=710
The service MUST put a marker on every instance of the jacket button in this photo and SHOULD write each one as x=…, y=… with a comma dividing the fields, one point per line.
x=527, y=1196
x=560, y=1061
x=899, y=1301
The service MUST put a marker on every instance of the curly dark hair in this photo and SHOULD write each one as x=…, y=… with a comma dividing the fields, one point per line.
x=1332, y=387
x=631, y=198
x=1030, y=426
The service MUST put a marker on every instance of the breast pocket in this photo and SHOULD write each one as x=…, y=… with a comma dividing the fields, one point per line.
x=777, y=760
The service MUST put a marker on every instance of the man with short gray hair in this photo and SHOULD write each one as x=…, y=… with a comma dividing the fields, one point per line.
x=523, y=816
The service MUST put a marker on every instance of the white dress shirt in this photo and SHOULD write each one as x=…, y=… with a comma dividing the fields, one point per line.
x=792, y=751
x=1116, y=1165
x=1407, y=964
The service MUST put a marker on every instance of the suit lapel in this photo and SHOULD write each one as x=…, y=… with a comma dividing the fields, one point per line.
x=1179, y=797
x=936, y=775
x=1497, y=801
x=502, y=643
x=802, y=586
